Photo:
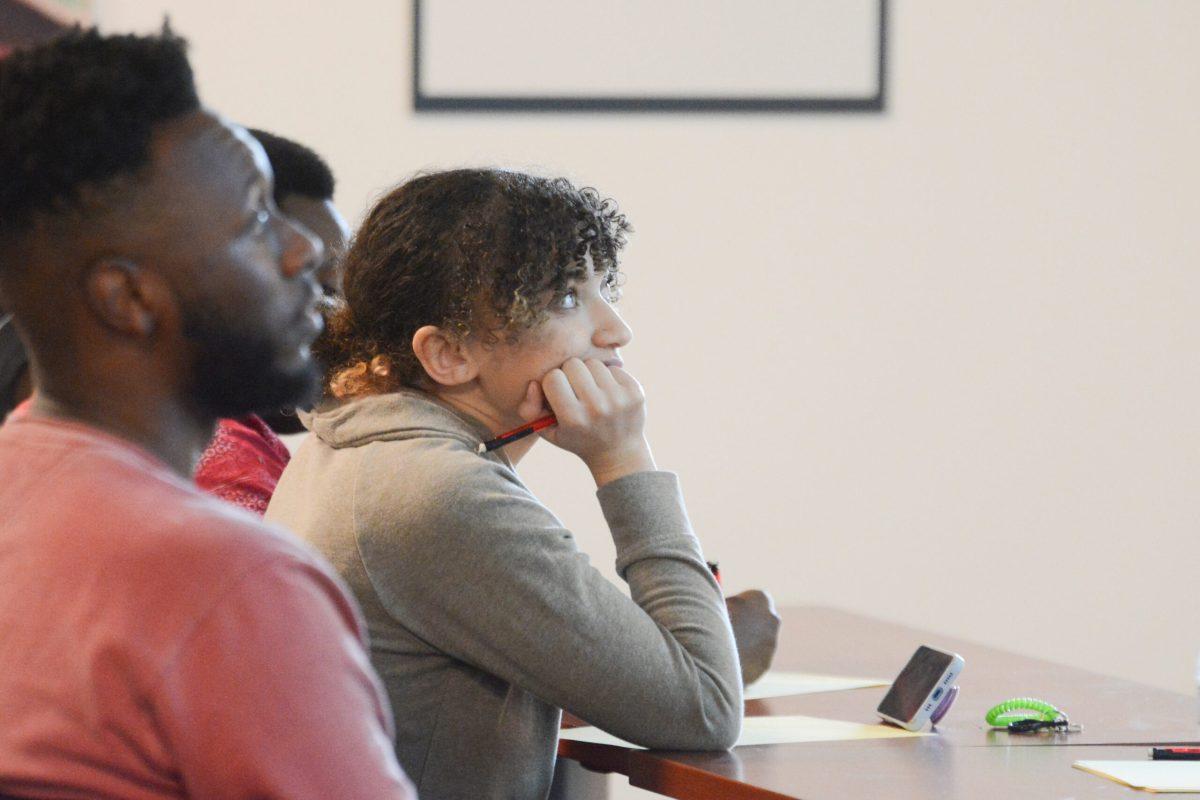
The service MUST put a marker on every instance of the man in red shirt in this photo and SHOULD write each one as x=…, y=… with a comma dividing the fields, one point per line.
x=245, y=458
x=157, y=642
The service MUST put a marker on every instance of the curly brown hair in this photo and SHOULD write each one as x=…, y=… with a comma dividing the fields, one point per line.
x=480, y=252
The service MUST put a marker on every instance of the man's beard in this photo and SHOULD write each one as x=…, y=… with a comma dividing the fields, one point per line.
x=236, y=372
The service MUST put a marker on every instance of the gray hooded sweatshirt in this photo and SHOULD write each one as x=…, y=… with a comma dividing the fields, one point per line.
x=485, y=618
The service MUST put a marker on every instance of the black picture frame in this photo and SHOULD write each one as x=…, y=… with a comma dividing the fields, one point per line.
x=424, y=102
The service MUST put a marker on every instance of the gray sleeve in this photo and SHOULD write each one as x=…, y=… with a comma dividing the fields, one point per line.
x=471, y=562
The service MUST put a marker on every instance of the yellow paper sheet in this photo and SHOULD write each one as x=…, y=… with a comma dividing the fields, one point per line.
x=771, y=730
x=1150, y=776
x=781, y=684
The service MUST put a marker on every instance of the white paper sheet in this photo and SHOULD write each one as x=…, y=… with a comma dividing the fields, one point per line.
x=1152, y=776
x=781, y=684
x=771, y=730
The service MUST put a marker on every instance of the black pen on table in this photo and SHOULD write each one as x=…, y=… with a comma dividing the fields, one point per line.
x=1175, y=753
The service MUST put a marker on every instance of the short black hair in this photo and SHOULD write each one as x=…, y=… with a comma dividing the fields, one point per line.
x=80, y=110
x=298, y=170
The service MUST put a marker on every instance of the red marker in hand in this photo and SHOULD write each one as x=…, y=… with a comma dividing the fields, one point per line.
x=517, y=434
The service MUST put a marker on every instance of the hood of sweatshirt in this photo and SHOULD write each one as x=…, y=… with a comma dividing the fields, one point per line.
x=407, y=414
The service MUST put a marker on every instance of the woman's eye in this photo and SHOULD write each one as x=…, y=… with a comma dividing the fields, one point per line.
x=569, y=300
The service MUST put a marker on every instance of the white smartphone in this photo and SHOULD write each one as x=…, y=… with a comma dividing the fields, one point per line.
x=923, y=690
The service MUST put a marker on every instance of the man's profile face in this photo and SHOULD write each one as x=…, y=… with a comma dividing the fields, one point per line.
x=322, y=218
x=241, y=271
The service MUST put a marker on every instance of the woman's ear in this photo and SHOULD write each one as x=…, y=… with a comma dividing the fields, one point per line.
x=444, y=357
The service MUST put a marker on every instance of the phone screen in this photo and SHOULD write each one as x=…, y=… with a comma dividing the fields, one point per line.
x=918, y=678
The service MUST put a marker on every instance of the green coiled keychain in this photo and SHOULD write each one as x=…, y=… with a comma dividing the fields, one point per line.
x=1026, y=715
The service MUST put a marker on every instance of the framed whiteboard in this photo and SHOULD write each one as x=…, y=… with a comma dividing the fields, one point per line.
x=649, y=55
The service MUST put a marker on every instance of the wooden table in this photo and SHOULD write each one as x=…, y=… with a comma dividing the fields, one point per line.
x=964, y=759
x=883, y=768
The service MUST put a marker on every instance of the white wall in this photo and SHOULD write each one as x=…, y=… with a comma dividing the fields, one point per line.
x=958, y=339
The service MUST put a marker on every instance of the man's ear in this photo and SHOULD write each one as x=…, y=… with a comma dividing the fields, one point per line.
x=446, y=360
x=123, y=296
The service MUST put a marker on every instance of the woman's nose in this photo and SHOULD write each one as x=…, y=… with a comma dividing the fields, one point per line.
x=611, y=330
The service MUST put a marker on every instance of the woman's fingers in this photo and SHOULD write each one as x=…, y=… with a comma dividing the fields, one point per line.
x=583, y=382
x=602, y=375
x=628, y=383
x=533, y=405
x=601, y=413
x=561, y=398
x=600, y=389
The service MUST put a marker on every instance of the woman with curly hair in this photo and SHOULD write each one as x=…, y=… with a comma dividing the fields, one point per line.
x=476, y=301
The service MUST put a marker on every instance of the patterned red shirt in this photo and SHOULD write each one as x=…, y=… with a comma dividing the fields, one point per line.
x=243, y=463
